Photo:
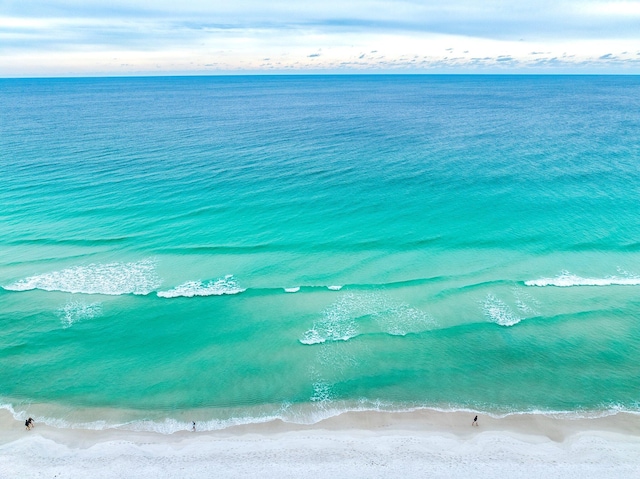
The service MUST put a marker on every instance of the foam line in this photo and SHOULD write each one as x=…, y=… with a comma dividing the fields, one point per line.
x=307, y=414
x=566, y=280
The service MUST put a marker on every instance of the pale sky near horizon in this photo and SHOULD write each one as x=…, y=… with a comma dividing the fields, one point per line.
x=143, y=37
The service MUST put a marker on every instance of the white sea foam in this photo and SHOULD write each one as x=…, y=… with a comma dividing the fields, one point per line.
x=323, y=406
x=216, y=287
x=165, y=426
x=497, y=311
x=401, y=319
x=321, y=392
x=566, y=279
x=338, y=321
x=111, y=278
x=525, y=303
x=312, y=336
x=75, y=311
x=332, y=331
x=334, y=288
x=292, y=290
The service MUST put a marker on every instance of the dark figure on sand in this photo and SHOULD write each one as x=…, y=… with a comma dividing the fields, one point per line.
x=193, y=428
x=475, y=421
x=29, y=423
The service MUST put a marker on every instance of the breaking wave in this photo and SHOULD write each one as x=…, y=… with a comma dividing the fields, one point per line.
x=216, y=287
x=112, y=278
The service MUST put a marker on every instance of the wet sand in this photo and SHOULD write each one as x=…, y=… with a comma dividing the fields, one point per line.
x=423, y=443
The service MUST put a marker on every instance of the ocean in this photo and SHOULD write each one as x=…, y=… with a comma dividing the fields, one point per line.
x=236, y=249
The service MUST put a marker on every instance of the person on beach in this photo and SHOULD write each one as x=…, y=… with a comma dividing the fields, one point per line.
x=193, y=427
x=475, y=421
x=29, y=423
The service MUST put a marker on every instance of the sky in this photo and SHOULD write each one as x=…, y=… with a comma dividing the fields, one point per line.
x=168, y=37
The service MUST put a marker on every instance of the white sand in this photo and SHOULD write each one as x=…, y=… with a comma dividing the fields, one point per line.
x=418, y=444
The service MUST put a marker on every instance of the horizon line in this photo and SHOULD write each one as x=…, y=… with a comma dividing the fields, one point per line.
x=316, y=74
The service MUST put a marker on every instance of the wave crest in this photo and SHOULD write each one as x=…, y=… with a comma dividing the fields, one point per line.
x=216, y=287
x=111, y=278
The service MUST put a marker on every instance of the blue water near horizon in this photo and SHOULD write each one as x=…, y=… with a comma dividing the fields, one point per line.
x=241, y=248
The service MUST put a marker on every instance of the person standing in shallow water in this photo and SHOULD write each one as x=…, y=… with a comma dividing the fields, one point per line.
x=193, y=427
x=475, y=421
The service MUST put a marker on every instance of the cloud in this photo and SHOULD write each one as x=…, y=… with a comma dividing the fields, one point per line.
x=487, y=19
x=83, y=36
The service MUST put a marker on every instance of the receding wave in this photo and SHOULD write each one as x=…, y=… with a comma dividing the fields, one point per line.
x=525, y=303
x=337, y=322
x=216, y=287
x=111, y=278
x=566, y=279
x=497, y=311
x=340, y=321
x=322, y=392
x=74, y=311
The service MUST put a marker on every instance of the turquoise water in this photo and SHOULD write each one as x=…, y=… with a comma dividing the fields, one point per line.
x=240, y=248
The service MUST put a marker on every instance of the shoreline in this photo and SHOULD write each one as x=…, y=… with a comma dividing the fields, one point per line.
x=303, y=415
x=353, y=444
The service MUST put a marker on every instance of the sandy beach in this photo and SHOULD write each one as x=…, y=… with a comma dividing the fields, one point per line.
x=422, y=443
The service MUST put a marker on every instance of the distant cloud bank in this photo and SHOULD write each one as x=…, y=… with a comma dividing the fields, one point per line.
x=136, y=37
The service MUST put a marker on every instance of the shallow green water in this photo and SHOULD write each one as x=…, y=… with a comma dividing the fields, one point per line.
x=239, y=248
